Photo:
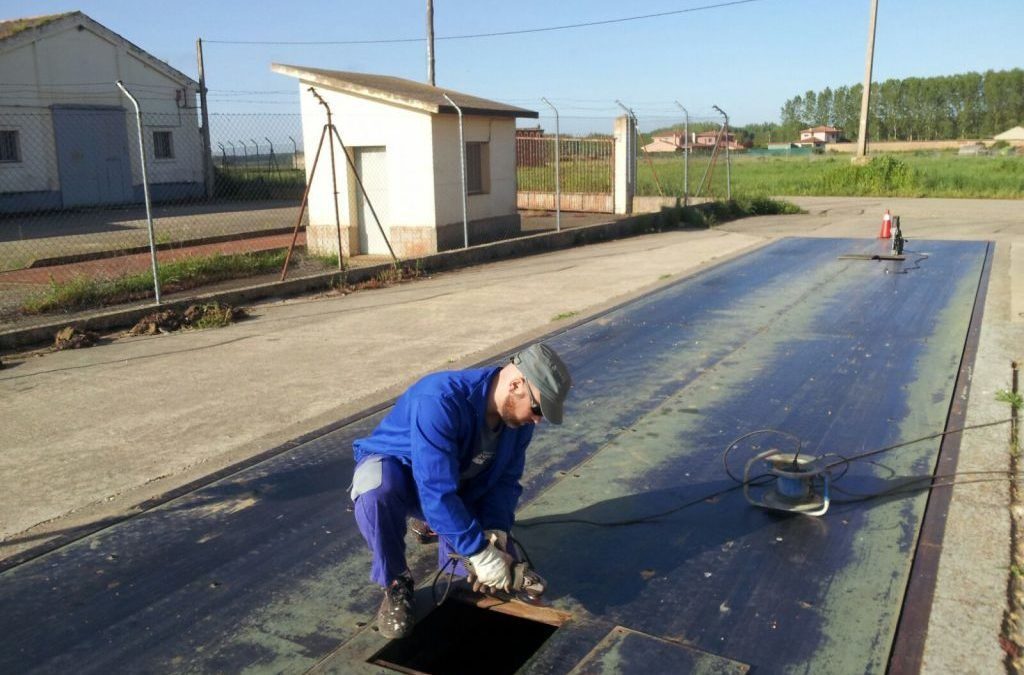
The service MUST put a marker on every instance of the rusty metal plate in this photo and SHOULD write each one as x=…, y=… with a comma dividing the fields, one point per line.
x=627, y=651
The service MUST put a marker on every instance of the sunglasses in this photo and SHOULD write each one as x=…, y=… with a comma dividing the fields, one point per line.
x=534, y=406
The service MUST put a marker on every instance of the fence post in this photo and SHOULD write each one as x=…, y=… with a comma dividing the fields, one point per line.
x=462, y=157
x=558, y=182
x=728, y=162
x=686, y=156
x=145, y=190
x=625, y=155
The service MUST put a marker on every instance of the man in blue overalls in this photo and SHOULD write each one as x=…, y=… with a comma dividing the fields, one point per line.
x=452, y=452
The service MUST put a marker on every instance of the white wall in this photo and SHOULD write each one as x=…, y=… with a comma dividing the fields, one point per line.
x=405, y=133
x=80, y=67
x=499, y=134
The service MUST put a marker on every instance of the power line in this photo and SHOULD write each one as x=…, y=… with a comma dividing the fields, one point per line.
x=546, y=29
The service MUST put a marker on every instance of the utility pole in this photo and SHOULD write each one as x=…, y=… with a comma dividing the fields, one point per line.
x=204, y=112
x=430, y=42
x=862, y=134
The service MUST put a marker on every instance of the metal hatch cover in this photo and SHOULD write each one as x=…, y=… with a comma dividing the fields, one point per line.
x=628, y=652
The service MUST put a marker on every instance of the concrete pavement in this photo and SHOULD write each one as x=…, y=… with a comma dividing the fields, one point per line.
x=92, y=433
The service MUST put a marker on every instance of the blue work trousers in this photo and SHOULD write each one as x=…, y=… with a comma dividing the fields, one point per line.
x=384, y=501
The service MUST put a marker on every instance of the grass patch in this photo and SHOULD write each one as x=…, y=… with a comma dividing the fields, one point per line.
x=715, y=213
x=84, y=292
x=240, y=182
x=908, y=174
x=564, y=315
x=1015, y=400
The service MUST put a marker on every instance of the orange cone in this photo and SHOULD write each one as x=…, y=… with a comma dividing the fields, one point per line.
x=886, y=231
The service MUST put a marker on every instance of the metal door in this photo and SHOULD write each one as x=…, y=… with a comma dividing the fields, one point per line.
x=92, y=156
x=372, y=167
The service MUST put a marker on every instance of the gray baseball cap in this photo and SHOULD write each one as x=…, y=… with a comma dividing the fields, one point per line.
x=547, y=372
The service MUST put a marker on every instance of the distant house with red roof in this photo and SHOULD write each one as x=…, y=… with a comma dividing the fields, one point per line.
x=816, y=136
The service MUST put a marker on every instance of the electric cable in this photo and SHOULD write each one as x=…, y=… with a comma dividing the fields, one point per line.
x=917, y=262
x=451, y=565
x=732, y=446
x=757, y=480
x=904, y=487
x=522, y=31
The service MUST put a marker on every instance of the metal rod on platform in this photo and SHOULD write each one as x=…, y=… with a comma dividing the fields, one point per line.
x=145, y=191
x=1014, y=428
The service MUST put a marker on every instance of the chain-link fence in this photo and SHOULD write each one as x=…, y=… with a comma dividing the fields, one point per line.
x=73, y=226
x=585, y=168
x=74, y=232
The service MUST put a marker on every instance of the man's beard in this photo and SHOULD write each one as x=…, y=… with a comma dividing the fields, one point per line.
x=508, y=411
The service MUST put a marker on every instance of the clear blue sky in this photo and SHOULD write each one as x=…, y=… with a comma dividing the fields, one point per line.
x=747, y=58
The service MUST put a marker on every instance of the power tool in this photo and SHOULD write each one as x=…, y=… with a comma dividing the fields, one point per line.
x=527, y=585
x=897, y=238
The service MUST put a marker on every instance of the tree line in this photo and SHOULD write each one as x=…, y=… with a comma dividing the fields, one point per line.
x=968, y=105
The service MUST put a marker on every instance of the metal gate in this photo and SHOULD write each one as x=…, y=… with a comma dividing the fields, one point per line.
x=586, y=173
x=92, y=156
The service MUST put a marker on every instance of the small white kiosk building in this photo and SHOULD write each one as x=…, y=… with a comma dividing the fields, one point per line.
x=403, y=140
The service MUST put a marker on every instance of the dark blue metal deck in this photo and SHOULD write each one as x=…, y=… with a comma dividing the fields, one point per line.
x=265, y=569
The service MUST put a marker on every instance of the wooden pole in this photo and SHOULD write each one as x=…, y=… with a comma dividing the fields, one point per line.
x=862, y=134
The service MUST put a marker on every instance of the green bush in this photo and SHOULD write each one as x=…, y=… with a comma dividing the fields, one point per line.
x=713, y=213
x=881, y=176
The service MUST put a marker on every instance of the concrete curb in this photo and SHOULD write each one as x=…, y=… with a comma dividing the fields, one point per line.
x=437, y=262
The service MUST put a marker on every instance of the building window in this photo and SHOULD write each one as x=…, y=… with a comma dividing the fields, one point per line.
x=477, y=163
x=10, y=146
x=163, y=145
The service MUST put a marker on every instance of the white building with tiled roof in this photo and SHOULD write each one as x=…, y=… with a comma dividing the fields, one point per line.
x=403, y=139
x=68, y=136
x=819, y=135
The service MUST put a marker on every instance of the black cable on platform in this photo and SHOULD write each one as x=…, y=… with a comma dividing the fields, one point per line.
x=757, y=480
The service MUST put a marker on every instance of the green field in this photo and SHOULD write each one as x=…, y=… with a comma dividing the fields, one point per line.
x=897, y=175
x=247, y=183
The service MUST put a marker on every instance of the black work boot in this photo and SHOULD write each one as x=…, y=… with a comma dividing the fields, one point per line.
x=422, y=531
x=395, y=616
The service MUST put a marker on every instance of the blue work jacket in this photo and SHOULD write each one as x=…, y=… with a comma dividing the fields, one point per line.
x=433, y=428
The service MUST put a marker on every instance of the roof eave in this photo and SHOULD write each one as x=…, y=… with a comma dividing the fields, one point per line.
x=39, y=32
x=308, y=76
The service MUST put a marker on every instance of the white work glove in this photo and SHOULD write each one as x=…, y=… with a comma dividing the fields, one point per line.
x=491, y=570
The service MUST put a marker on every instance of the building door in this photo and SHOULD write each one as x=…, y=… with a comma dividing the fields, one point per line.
x=92, y=156
x=372, y=167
